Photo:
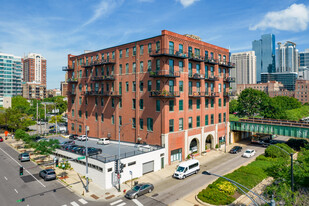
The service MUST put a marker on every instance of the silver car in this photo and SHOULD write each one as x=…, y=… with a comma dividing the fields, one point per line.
x=139, y=190
x=48, y=174
x=24, y=157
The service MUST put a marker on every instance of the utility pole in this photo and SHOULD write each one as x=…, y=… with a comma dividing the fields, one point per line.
x=37, y=117
x=56, y=119
x=45, y=118
x=86, y=145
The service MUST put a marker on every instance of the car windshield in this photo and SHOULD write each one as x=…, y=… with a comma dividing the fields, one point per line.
x=25, y=155
x=180, y=169
x=51, y=173
x=248, y=151
x=136, y=188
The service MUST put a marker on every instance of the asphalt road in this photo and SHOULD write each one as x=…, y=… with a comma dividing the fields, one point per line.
x=30, y=186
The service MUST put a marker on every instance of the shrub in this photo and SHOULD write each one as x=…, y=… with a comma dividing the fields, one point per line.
x=227, y=187
x=297, y=143
x=215, y=197
x=217, y=146
x=275, y=152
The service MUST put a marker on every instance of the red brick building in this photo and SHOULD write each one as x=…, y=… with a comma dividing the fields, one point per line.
x=173, y=88
x=34, y=69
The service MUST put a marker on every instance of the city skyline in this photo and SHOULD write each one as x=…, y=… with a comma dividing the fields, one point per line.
x=55, y=29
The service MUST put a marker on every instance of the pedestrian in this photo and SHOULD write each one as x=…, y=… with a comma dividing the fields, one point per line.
x=12, y=136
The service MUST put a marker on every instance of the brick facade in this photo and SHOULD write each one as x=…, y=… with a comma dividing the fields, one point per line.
x=165, y=81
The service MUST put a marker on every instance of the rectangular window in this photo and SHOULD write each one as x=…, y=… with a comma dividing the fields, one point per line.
x=120, y=88
x=180, y=48
x=96, y=116
x=133, y=86
x=157, y=105
x=120, y=103
x=171, y=105
x=80, y=128
x=149, y=87
x=157, y=46
x=120, y=68
x=133, y=103
x=127, y=52
x=79, y=113
x=102, y=101
x=141, y=104
x=198, y=70
x=127, y=68
x=206, y=120
x=220, y=89
x=180, y=124
x=127, y=86
x=198, y=121
x=141, y=124
x=72, y=112
x=113, y=102
x=141, y=67
x=120, y=53
x=113, y=119
x=181, y=105
x=158, y=85
x=219, y=103
x=212, y=120
x=158, y=65
x=72, y=126
x=80, y=100
x=224, y=102
x=141, y=49
x=141, y=86
x=113, y=55
x=149, y=124
x=181, y=66
x=219, y=118
x=86, y=114
x=134, y=67
x=134, y=50
x=181, y=86
x=198, y=104
x=171, y=125
x=190, y=123
x=149, y=47
x=120, y=120
x=190, y=104
x=102, y=117
x=96, y=101
x=212, y=103
x=206, y=103
x=149, y=66
x=224, y=117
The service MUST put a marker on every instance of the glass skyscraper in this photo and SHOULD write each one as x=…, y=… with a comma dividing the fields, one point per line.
x=304, y=58
x=10, y=76
x=265, y=51
x=287, y=57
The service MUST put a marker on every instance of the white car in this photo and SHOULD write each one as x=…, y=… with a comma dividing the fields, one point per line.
x=82, y=138
x=249, y=153
x=103, y=141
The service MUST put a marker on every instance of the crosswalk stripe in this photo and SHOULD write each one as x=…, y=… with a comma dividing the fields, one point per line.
x=122, y=204
x=116, y=202
x=83, y=201
x=74, y=203
x=64, y=205
x=138, y=203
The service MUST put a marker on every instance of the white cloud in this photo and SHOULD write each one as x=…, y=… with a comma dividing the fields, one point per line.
x=104, y=8
x=186, y=3
x=294, y=18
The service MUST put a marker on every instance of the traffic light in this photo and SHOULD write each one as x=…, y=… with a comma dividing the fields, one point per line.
x=116, y=166
x=121, y=167
x=21, y=170
x=56, y=162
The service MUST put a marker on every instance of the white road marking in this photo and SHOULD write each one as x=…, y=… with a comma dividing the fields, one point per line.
x=122, y=204
x=83, y=201
x=138, y=203
x=74, y=203
x=24, y=168
x=116, y=202
x=64, y=205
x=5, y=178
x=16, y=191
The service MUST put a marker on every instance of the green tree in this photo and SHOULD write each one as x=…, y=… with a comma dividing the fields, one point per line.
x=53, y=119
x=20, y=134
x=287, y=103
x=46, y=147
x=15, y=119
x=233, y=106
x=20, y=103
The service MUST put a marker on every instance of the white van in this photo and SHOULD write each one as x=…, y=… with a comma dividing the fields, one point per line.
x=187, y=168
x=103, y=141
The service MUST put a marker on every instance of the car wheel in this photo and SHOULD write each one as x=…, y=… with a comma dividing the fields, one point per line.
x=135, y=196
x=184, y=177
x=150, y=190
x=45, y=179
x=196, y=172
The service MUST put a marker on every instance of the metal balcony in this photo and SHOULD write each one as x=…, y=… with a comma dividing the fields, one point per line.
x=67, y=68
x=86, y=65
x=196, y=76
x=164, y=94
x=103, y=78
x=72, y=80
x=212, y=78
x=229, y=79
x=71, y=93
x=210, y=61
x=227, y=64
x=197, y=94
x=168, y=74
x=168, y=53
x=100, y=93
x=103, y=61
x=211, y=94
x=229, y=94
x=196, y=58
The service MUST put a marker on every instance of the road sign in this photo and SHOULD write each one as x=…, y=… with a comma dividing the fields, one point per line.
x=79, y=158
x=20, y=200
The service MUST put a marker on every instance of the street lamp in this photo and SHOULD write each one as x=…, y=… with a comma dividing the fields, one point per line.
x=86, y=147
x=292, y=175
x=238, y=185
x=119, y=129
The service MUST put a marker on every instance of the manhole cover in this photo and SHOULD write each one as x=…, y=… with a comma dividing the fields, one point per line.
x=154, y=195
x=94, y=196
x=109, y=197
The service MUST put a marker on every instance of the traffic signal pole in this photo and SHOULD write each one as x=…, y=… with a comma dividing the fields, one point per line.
x=87, y=178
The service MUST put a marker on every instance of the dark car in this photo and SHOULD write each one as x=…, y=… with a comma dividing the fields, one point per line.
x=24, y=157
x=235, y=150
x=48, y=174
x=73, y=136
x=37, y=138
x=139, y=190
x=91, y=151
x=52, y=131
x=76, y=149
x=66, y=143
x=69, y=147
x=1, y=139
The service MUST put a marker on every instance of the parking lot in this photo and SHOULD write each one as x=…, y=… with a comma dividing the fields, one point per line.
x=110, y=151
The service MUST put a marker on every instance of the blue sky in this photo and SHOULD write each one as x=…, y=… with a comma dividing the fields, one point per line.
x=56, y=28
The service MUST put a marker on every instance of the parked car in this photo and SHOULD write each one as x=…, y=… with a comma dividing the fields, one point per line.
x=76, y=149
x=73, y=136
x=187, y=168
x=82, y=138
x=48, y=174
x=65, y=143
x=69, y=147
x=249, y=153
x=52, y=131
x=91, y=151
x=139, y=190
x=1, y=139
x=103, y=141
x=23, y=157
x=235, y=150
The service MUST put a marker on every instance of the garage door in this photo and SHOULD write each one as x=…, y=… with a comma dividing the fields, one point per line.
x=148, y=167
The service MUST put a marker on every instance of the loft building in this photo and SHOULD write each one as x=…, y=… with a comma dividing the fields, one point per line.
x=245, y=68
x=34, y=68
x=32, y=90
x=170, y=90
x=10, y=76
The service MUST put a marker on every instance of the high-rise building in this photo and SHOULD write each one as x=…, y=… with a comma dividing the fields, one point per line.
x=287, y=57
x=245, y=68
x=288, y=79
x=265, y=52
x=32, y=90
x=34, y=68
x=10, y=76
x=304, y=58
x=172, y=89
